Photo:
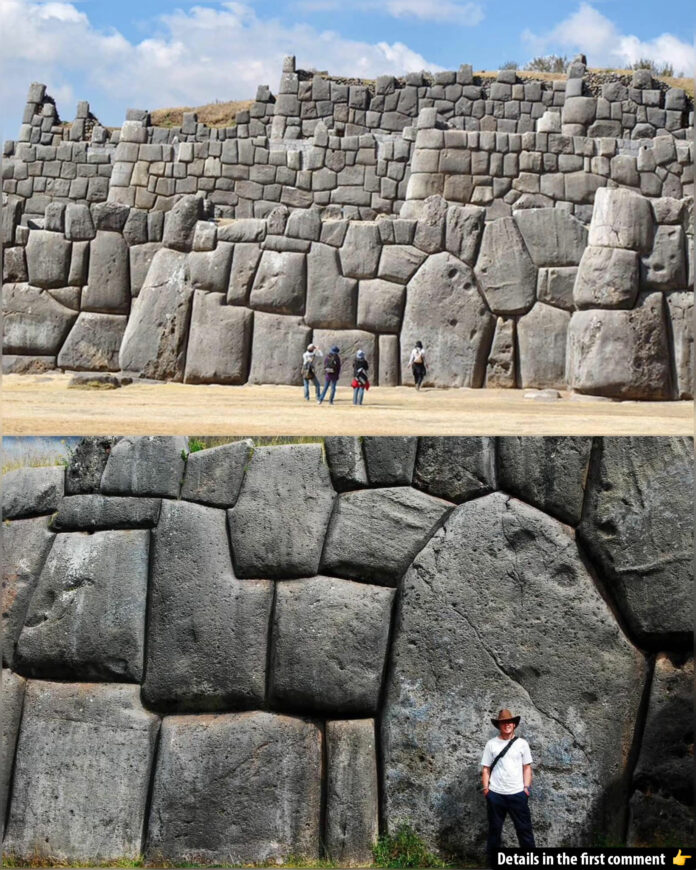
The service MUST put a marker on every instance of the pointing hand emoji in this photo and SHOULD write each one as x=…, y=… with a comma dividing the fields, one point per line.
x=680, y=859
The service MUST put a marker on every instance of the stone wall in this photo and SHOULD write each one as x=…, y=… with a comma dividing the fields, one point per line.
x=282, y=651
x=527, y=300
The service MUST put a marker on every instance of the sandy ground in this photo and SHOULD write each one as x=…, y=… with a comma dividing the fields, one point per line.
x=43, y=405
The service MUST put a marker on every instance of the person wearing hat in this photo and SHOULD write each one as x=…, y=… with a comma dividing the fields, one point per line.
x=506, y=777
x=360, y=380
x=309, y=359
x=332, y=369
x=417, y=363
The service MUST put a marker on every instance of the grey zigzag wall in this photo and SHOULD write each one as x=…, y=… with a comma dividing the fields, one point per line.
x=281, y=650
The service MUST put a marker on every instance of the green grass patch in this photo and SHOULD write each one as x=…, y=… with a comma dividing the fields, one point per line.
x=404, y=848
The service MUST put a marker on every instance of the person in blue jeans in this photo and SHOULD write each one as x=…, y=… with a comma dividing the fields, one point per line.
x=506, y=777
x=360, y=380
x=310, y=359
x=332, y=369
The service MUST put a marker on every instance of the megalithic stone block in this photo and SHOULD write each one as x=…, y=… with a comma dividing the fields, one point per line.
x=30, y=491
x=148, y=465
x=219, y=341
x=12, y=695
x=455, y=468
x=390, y=460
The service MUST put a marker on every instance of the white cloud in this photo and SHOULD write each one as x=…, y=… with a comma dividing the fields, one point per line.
x=467, y=14
x=592, y=33
x=196, y=56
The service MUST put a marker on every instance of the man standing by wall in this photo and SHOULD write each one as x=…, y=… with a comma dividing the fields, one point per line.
x=506, y=776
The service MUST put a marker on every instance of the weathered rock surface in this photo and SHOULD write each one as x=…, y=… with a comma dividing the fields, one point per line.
x=552, y=237
x=180, y=223
x=548, y=473
x=455, y=468
x=210, y=774
x=555, y=286
x=154, y=342
x=146, y=465
x=25, y=545
x=638, y=527
x=344, y=455
x=329, y=645
x=278, y=524
x=607, y=278
x=399, y=263
x=501, y=367
x=93, y=343
x=541, y=341
x=665, y=267
x=219, y=341
x=279, y=285
x=444, y=291
x=463, y=230
x=374, y=534
x=352, y=797
x=86, y=618
x=74, y=738
x=93, y=512
x=214, y=476
x=390, y=460
x=621, y=219
x=504, y=269
x=29, y=491
x=277, y=347
x=87, y=463
x=380, y=305
x=361, y=250
x=681, y=311
x=245, y=261
x=12, y=695
x=33, y=322
x=207, y=631
x=577, y=711
x=108, y=280
x=331, y=299
x=620, y=354
x=48, y=259
x=140, y=259
x=210, y=270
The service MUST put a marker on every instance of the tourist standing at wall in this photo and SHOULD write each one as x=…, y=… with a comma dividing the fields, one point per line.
x=417, y=363
x=506, y=777
x=360, y=379
x=332, y=369
x=309, y=360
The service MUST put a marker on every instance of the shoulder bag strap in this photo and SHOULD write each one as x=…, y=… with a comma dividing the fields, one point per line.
x=502, y=752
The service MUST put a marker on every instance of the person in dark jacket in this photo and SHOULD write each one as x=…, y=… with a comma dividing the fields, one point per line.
x=332, y=369
x=360, y=379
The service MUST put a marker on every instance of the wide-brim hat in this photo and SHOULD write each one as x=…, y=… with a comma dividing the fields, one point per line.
x=506, y=716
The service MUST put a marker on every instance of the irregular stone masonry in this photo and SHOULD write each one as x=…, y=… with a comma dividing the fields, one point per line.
x=418, y=585
x=526, y=299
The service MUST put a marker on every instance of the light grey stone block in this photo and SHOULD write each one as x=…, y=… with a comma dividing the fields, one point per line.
x=505, y=270
x=48, y=259
x=455, y=468
x=552, y=237
x=210, y=270
x=245, y=261
x=621, y=219
x=279, y=285
x=400, y=262
x=463, y=230
x=214, y=476
x=277, y=347
x=380, y=305
x=93, y=343
x=148, y=465
x=91, y=512
x=361, y=250
x=12, y=694
x=219, y=341
x=607, y=278
x=344, y=456
x=680, y=306
x=331, y=298
x=108, y=279
x=180, y=223
x=665, y=267
x=34, y=322
x=30, y=491
x=390, y=460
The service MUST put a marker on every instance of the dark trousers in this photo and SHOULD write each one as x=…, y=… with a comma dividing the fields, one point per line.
x=499, y=805
x=418, y=373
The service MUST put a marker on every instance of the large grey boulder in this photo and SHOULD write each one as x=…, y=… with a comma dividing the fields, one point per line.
x=108, y=279
x=154, y=342
x=390, y=460
x=219, y=341
x=33, y=322
x=331, y=299
x=93, y=343
x=86, y=465
x=665, y=267
x=555, y=286
x=445, y=311
x=329, y=645
x=662, y=806
x=361, y=250
x=352, y=792
x=12, y=696
x=29, y=491
x=25, y=545
x=399, y=263
x=548, y=473
x=207, y=631
x=140, y=259
x=680, y=306
x=621, y=219
x=541, y=342
x=210, y=270
x=214, y=476
x=278, y=524
x=620, y=354
x=79, y=225
x=279, y=285
x=180, y=223
x=245, y=261
x=507, y=588
x=607, y=278
x=74, y=738
x=502, y=364
x=146, y=465
x=375, y=533
x=455, y=468
x=48, y=259
x=91, y=512
x=380, y=305
x=277, y=347
x=346, y=462
x=504, y=269
x=463, y=230
x=236, y=789
x=553, y=237
x=86, y=619
x=638, y=527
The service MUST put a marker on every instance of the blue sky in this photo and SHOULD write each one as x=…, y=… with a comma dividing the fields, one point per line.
x=155, y=53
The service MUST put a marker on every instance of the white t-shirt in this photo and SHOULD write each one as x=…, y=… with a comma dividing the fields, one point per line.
x=507, y=774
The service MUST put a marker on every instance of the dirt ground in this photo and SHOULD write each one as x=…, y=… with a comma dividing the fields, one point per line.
x=43, y=405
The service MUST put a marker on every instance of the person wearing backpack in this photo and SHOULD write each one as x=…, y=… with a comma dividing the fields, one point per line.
x=309, y=359
x=360, y=380
x=332, y=369
x=506, y=777
x=417, y=363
